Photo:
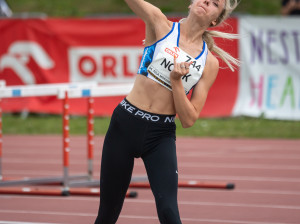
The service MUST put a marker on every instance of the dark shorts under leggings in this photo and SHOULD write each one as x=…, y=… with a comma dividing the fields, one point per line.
x=134, y=133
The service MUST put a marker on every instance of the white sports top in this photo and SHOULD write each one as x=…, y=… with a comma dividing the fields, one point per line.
x=158, y=61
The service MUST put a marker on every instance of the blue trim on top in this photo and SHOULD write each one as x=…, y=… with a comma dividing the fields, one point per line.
x=203, y=49
x=178, y=35
x=146, y=59
x=16, y=92
x=205, y=58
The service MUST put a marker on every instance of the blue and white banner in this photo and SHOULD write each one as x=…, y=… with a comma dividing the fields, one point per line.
x=269, y=83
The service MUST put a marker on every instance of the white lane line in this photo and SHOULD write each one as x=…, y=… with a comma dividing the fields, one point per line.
x=238, y=166
x=288, y=207
x=181, y=202
x=240, y=178
x=181, y=164
x=44, y=161
x=39, y=152
x=180, y=154
x=36, y=173
x=273, y=192
x=193, y=203
x=132, y=217
x=228, y=155
x=48, y=213
x=203, y=220
x=19, y=222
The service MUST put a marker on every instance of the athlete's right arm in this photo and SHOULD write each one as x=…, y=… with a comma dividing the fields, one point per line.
x=156, y=22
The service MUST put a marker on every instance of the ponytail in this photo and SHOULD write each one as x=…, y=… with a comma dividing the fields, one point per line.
x=208, y=37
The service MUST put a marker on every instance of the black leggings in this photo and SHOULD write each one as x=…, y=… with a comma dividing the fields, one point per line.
x=134, y=133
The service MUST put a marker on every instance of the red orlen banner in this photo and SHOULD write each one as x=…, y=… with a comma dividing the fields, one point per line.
x=39, y=51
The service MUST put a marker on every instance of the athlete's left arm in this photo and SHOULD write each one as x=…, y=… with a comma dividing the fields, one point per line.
x=188, y=110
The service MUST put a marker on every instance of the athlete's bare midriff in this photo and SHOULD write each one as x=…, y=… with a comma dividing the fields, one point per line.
x=150, y=96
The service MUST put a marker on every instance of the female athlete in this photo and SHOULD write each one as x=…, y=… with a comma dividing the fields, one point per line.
x=177, y=58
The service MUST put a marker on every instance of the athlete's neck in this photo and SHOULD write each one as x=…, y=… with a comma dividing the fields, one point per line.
x=192, y=31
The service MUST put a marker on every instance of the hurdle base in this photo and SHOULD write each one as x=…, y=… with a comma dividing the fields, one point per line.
x=57, y=192
x=190, y=184
x=33, y=181
x=142, y=182
x=87, y=183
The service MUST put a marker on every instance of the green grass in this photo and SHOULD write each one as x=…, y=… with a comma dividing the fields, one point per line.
x=79, y=8
x=241, y=127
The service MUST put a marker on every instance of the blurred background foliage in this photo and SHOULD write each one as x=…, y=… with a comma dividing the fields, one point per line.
x=88, y=8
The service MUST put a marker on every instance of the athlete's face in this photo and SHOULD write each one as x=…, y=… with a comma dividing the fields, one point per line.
x=208, y=9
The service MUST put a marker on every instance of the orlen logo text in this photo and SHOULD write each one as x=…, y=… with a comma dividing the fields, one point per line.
x=104, y=64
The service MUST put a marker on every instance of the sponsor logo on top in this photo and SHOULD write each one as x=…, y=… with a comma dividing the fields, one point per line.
x=173, y=53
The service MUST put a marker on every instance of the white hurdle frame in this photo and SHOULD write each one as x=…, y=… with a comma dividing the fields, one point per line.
x=64, y=92
x=91, y=93
x=36, y=91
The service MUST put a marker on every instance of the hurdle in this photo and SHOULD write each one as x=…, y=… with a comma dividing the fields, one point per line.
x=38, y=91
x=60, y=90
x=90, y=94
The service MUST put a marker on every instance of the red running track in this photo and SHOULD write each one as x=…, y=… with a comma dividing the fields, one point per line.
x=266, y=174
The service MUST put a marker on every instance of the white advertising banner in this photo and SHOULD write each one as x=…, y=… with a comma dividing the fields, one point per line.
x=269, y=83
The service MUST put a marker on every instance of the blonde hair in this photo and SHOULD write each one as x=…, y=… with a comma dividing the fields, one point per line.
x=208, y=35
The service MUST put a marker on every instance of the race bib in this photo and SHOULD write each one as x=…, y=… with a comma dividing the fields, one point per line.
x=162, y=65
